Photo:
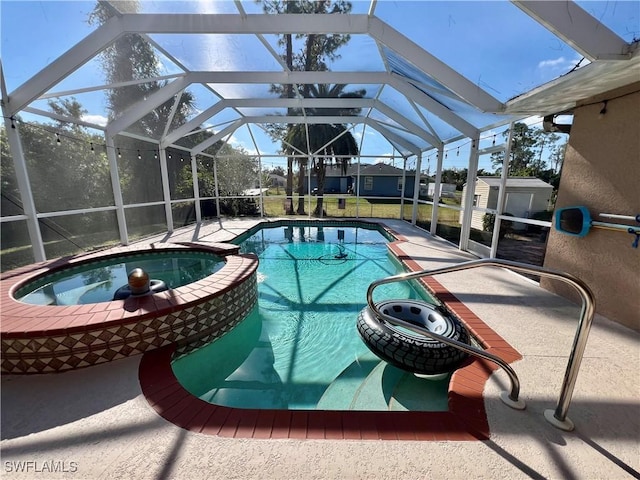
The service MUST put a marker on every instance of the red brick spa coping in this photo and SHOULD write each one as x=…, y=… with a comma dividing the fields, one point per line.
x=54, y=338
x=466, y=419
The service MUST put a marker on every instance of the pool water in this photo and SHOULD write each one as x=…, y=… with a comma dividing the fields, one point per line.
x=299, y=349
x=96, y=282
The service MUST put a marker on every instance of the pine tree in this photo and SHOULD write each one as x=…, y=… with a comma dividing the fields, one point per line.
x=315, y=52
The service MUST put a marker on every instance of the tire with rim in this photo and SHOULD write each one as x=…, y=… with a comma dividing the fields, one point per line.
x=407, y=350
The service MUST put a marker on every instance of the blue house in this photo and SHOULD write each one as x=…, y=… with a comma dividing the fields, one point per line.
x=377, y=180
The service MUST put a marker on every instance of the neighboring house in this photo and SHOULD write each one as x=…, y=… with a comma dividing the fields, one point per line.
x=524, y=197
x=276, y=180
x=335, y=181
x=377, y=180
x=382, y=180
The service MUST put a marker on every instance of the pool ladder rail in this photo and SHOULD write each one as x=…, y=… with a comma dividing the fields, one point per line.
x=557, y=417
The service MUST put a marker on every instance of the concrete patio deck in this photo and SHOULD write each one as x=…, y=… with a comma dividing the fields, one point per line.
x=95, y=423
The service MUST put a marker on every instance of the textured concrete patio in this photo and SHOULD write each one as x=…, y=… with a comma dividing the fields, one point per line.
x=95, y=423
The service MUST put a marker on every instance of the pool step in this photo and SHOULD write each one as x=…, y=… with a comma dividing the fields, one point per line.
x=339, y=395
x=384, y=388
x=389, y=388
x=251, y=385
x=367, y=384
x=420, y=394
x=376, y=391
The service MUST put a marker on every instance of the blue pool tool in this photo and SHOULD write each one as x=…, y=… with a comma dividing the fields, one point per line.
x=576, y=221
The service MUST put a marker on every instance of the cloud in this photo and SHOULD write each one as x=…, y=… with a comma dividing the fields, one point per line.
x=166, y=66
x=236, y=143
x=555, y=63
x=95, y=119
x=562, y=63
x=389, y=161
x=218, y=52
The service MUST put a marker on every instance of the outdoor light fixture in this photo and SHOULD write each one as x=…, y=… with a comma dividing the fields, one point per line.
x=603, y=110
x=548, y=125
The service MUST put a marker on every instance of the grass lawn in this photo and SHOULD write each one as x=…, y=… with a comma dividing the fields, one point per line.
x=383, y=208
x=16, y=256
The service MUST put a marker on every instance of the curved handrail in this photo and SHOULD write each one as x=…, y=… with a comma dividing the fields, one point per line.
x=558, y=417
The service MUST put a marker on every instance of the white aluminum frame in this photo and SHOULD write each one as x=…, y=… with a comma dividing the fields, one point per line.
x=608, y=53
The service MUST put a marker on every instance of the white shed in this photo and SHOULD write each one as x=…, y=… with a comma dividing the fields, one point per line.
x=446, y=189
x=524, y=197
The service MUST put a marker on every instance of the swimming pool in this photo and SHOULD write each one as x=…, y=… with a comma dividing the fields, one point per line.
x=299, y=349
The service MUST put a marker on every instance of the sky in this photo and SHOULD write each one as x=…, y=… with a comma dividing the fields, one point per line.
x=493, y=44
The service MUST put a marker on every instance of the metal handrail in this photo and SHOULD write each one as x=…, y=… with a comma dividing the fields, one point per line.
x=557, y=417
x=510, y=399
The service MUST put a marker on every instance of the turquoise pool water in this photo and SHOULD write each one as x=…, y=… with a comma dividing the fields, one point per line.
x=299, y=349
x=96, y=282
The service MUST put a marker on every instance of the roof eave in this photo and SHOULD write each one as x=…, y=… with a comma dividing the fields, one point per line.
x=564, y=93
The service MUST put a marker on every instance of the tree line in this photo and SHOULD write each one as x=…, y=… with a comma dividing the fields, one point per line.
x=526, y=158
x=67, y=163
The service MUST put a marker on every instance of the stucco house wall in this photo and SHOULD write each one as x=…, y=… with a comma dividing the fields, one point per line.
x=602, y=172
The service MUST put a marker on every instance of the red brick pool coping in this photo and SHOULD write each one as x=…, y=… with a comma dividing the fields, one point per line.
x=466, y=419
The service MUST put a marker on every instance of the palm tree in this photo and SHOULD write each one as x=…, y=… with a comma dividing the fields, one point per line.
x=342, y=149
x=316, y=50
x=332, y=142
x=295, y=143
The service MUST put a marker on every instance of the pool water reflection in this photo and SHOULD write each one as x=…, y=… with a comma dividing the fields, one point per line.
x=299, y=349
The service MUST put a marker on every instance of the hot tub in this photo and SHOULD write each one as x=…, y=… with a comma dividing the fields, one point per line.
x=55, y=337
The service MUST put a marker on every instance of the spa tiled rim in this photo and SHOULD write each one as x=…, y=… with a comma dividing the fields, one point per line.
x=466, y=419
x=43, y=338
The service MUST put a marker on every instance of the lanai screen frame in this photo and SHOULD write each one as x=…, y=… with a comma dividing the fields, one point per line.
x=570, y=23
